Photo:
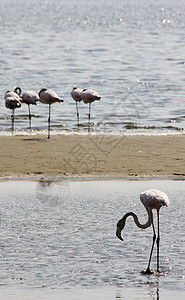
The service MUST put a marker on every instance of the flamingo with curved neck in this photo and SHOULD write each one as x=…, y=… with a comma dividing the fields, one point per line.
x=151, y=199
x=12, y=101
x=28, y=97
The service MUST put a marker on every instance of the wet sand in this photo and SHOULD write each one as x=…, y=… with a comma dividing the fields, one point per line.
x=92, y=155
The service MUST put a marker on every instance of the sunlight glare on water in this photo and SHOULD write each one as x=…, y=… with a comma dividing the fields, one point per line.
x=130, y=52
x=58, y=238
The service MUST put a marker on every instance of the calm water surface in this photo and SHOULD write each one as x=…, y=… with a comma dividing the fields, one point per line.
x=131, y=52
x=58, y=241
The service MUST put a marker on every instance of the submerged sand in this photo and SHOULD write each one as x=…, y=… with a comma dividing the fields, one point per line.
x=92, y=155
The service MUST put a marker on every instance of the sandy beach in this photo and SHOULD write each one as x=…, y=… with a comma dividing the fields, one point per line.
x=92, y=155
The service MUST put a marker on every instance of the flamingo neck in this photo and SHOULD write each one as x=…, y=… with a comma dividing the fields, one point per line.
x=122, y=222
x=18, y=91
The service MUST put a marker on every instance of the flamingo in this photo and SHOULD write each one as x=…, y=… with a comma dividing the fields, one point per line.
x=48, y=97
x=12, y=101
x=15, y=94
x=89, y=96
x=151, y=199
x=76, y=95
x=30, y=97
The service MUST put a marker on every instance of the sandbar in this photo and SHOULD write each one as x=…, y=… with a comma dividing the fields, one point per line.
x=92, y=155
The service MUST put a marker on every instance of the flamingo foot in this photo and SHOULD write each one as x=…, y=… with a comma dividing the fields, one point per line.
x=147, y=272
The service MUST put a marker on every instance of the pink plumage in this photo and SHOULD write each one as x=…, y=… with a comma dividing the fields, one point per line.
x=89, y=96
x=48, y=96
x=76, y=94
x=154, y=199
x=30, y=97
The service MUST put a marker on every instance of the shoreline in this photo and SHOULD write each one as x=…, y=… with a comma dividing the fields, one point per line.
x=97, y=156
x=86, y=178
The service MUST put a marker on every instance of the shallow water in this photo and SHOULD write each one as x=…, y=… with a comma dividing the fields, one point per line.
x=131, y=52
x=58, y=240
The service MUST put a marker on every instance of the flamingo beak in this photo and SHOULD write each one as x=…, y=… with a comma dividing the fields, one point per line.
x=118, y=233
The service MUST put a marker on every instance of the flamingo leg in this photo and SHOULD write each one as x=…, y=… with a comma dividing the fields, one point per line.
x=12, y=117
x=158, y=239
x=89, y=115
x=29, y=113
x=49, y=121
x=148, y=271
x=77, y=113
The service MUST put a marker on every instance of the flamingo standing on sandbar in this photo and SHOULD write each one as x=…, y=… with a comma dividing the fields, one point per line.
x=89, y=96
x=76, y=95
x=30, y=97
x=12, y=101
x=48, y=96
x=151, y=199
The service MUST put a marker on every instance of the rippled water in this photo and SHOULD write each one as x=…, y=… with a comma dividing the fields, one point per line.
x=131, y=52
x=58, y=241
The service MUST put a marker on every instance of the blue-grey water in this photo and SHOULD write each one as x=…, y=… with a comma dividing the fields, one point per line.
x=58, y=241
x=131, y=52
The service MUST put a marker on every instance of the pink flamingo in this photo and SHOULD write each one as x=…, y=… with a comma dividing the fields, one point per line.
x=30, y=97
x=12, y=101
x=76, y=95
x=89, y=96
x=49, y=97
x=151, y=199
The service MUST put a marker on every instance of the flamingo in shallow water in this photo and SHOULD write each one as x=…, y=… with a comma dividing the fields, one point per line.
x=151, y=199
x=14, y=94
x=49, y=97
x=30, y=97
x=89, y=96
x=76, y=95
x=12, y=101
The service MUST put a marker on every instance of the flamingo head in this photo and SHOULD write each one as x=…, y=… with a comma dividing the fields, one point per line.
x=42, y=90
x=118, y=232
